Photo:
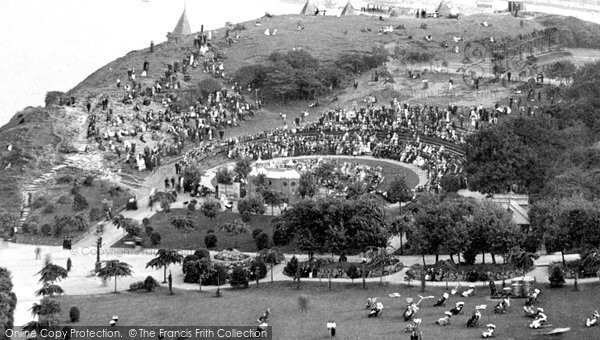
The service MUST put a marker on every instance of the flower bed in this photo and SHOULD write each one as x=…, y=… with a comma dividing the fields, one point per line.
x=231, y=258
x=447, y=271
x=321, y=267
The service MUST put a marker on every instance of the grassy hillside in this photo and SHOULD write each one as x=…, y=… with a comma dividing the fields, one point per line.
x=31, y=133
x=325, y=38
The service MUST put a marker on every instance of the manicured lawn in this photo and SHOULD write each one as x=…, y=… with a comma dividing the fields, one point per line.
x=344, y=304
x=173, y=238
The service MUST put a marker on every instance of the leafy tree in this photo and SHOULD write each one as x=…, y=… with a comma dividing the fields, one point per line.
x=272, y=257
x=353, y=272
x=309, y=222
x=253, y=205
x=49, y=290
x=258, y=270
x=497, y=160
x=291, y=268
x=114, y=269
x=273, y=198
x=224, y=176
x=210, y=240
x=52, y=273
x=307, y=185
x=205, y=269
x=450, y=182
x=211, y=208
x=428, y=233
x=563, y=69
x=261, y=183
x=398, y=190
x=239, y=278
x=243, y=166
x=184, y=224
x=262, y=241
x=164, y=258
x=46, y=310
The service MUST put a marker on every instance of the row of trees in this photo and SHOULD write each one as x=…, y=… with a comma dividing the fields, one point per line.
x=298, y=75
x=333, y=225
x=458, y=226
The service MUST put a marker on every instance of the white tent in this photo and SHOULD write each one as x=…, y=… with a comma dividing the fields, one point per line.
x=310, y=7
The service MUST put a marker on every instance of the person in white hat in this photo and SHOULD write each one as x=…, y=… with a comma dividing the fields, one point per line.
x=489, y=331
x=540, y=319
x=331, y=328
x=458, y=308
x=445, y=320
x=593, y=321
x=442, y=301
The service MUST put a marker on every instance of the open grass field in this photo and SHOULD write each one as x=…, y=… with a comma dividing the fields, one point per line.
x=175, y=239
x=344, y=304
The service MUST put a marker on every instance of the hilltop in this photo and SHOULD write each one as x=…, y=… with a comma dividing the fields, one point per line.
x=325, y=37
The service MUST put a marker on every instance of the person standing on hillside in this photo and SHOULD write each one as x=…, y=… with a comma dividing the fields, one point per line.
x=151, y=46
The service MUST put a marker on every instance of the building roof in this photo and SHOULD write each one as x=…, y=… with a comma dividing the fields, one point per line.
x=276, y=173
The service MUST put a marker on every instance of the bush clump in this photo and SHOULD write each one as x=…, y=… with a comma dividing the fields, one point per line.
x=239, y=278
x=74, y=314
x=557, y=277
x=210, y=240
x=155, y=238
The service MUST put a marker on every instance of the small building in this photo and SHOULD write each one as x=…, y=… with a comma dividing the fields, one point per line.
x=518, y=205
x=283, y=180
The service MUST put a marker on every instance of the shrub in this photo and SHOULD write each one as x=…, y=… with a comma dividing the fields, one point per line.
x=165, y=205
x=557, y=278
x=254, y=205
x=184, y=266
x=133, y=229
x=211, y=208
x=66, y=147
x=148, y=230
x=155, y=238
x=79, y=202
x=75, y=189
x=64, y=179
x=192, y=205
x=202, y=253
x=48, y=209
x=353, y=272
x=246, y=217
x=59, y=228
x=210, y=240
x=150, y=283
x=64, y=199
x=257, y=268
x=38, y=202
x=46, y=229
x=291, y=268
x=145, y=221
x=262, y=241
x=96, y=214
x=74, y=314
x=218, y=276
x=256, y=232
x=115, y=191
x=303, y=303
x=137, y=286
x=88, y=181
x=239, y=278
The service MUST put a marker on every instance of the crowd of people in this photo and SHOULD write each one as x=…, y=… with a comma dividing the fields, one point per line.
x=151, y=112
x=392, y=132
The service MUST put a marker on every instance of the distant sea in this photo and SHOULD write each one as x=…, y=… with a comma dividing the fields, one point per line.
x=53, y=45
